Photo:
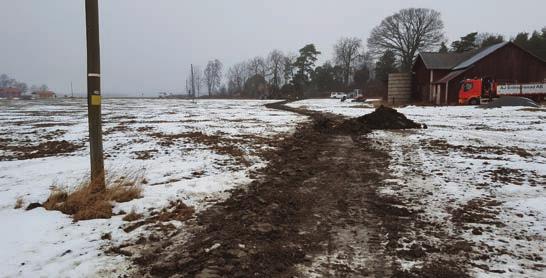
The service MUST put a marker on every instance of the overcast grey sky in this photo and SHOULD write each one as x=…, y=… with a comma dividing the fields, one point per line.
x=148, y=45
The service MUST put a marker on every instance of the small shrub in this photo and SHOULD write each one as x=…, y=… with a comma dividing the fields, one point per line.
x=85, y=202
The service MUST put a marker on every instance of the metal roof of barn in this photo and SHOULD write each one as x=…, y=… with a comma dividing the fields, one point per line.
x=457, y=61
x=445, y=61
x=480, y=55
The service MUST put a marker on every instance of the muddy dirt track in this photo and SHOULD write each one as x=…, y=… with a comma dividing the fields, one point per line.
x=313, y=211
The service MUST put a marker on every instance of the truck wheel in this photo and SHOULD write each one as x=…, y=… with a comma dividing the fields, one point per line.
x=473, y=102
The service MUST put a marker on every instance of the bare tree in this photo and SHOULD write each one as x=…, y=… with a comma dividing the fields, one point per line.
x=406, y=33
x=368, y=61
x=289, y=68
x=347, y=56
x=237, y=76
x=275, y=63
x=213, y=75
x=256, y=66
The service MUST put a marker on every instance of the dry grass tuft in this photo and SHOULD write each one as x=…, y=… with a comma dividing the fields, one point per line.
x=18, y=203
x=132, y=216
x=84, y=202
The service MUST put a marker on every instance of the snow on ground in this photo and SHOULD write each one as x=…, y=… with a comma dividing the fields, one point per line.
x=188, y=150
x=479, y=173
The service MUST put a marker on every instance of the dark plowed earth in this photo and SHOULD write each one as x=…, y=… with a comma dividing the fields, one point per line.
x=313, y=211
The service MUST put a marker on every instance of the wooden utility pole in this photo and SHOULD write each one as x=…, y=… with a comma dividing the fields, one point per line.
x=94, y=94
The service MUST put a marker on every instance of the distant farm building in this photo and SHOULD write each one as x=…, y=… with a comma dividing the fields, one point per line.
x=437, y=76
x=44, y=94
x=10, y=93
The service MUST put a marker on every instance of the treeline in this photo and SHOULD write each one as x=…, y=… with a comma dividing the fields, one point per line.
x=352, y=66
x=534, y=42
x=8, y=82
x=392, y=47
x=289, y=75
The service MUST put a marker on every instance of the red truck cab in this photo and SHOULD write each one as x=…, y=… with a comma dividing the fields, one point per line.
x=473, y=90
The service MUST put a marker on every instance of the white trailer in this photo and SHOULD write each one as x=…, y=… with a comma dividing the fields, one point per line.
x=521, y=89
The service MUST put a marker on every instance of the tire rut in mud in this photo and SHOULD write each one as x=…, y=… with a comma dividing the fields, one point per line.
x=310, y=213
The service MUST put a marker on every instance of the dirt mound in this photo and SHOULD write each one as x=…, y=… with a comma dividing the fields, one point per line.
x=510, y=101
x=382, y=118
x=387, y=118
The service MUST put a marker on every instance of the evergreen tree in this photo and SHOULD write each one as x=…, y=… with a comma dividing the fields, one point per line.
x=487, y=39
x=305, y=63
x=535, y=44
x=521, y=39
x=385, y=65
x=466, y=43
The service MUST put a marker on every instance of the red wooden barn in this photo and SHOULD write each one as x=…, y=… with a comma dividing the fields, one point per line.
x=437, y=76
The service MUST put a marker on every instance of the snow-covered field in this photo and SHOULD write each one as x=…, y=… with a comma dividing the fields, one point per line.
x=190, y=151
x=479, y=174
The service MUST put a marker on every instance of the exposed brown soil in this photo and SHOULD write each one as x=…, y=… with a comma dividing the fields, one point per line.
x=442, y=146
x=313, y=211
x=217, y=143
x=51, y=135
x=44, y=149
x=121, y=127
x=477, y=211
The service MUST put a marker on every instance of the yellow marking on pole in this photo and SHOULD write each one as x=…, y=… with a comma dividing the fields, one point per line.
x=95, y=100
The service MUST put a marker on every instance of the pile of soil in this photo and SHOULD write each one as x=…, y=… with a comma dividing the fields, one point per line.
x=383, y=118
x=387, y=118
x=510, y=101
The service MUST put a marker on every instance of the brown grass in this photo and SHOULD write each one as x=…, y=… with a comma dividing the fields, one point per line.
x=18, y=203
x=132, y=216
x=84, y=202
